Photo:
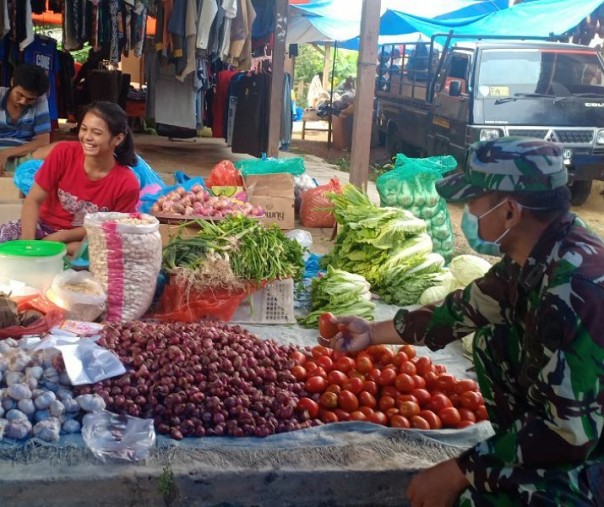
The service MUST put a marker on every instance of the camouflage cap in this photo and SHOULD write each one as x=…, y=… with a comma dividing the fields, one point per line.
x=508, y=164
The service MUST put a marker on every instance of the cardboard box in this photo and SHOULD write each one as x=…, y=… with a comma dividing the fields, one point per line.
x=275, y=193
x=8, y=190
x=10, y=211
x=168, y=231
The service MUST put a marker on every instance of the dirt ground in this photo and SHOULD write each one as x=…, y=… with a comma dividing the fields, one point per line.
x=198, y=156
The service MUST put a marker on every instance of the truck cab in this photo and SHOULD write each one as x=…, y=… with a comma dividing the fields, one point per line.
x=482, y=90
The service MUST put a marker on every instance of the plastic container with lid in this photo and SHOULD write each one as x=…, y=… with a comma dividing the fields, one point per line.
x=32, y=262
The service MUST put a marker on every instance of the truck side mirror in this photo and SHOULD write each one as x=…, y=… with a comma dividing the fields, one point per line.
x=454, y=88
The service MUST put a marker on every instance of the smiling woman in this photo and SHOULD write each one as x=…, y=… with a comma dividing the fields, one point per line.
x=79, y=177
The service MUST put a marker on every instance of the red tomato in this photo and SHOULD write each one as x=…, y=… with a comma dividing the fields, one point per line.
x=399, y=358
x=364, y=364
x=311, y=406
x=440, y=368
x=450, y=417
x=375, y=374
x=371, y=387
x=420, y=423
x=327, y=416
x=465, y=385
x=471, y=400
x=327, y=328
x=408, y=408
x=455, y=400
x=342, y=415
x=482, y=414
x=464, y=424
x=406, y=397
x=368, y=411
x=328, y=400
x=367, y=400
x=409, y=350
x=357, y=415
x=392, y=411
x=315, y=384
x=385, y=356
x=319, y=350
x=357, y=374
x=333, y=388
x=310, y=366
x=423, y=365
x=389, y=391
x=298, y=357
x=404, y=383
x=387, y=377
x=348, y=401
x=466, y=415
x=336, y=377
x=319, y=371
x=420, y=382
x=345, y=364
x=422, y=395
x=430, y=379
x=299, y=372
x=408, y=367
x=354, y=385
x=446, y=383
x=386, y=402
x=325, y=362
x=378, y=418
x=438, y=402
x=337, y=354
x=399, y=421
x=433, y=420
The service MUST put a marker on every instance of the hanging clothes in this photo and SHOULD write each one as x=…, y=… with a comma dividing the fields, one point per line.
x=207, y=13
x=38, y=6
x=230, y=12
x=232, y=106
x=4, y=18
x=178, y=103
x=190, y=36
x=29, y=28
x=43, y=53
x=219, y=102
x=241, y=36
x=250, y=133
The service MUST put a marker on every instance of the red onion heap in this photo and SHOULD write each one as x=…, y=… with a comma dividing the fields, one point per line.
x=202, y=379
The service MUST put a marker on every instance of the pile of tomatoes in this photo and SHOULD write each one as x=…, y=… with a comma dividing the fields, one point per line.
x=393, y=388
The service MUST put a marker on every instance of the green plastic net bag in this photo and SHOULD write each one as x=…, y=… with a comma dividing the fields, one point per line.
x=410, y=185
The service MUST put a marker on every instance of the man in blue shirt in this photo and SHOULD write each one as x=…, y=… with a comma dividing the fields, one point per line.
x=24, y=118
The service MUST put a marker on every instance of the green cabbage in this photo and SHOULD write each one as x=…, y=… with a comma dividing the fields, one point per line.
x=467, y=268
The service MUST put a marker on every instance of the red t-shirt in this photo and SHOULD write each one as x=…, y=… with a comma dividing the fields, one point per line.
x=72, y=194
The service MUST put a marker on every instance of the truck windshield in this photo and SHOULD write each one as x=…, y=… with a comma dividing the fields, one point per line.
x=539, y=72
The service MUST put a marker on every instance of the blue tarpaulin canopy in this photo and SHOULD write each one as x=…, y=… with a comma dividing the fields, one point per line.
x=340, y=20
x=538, y=18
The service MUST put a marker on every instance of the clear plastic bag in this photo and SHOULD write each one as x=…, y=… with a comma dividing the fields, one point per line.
x=88, y=363
x=114, y=436
x=79, y=294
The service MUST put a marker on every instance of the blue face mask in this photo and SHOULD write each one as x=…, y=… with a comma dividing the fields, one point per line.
x=469, y=227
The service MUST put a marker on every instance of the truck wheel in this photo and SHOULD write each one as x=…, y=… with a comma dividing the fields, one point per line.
x=579, y=191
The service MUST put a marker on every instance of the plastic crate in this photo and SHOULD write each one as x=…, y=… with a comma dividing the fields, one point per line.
x=274, y=304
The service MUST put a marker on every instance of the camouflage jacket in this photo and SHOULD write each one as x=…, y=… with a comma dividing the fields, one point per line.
x=552, y=310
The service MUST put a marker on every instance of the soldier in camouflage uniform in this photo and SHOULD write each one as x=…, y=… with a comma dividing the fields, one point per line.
x=538, y=318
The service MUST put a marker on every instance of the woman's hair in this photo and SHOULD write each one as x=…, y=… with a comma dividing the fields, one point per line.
x=117, y=121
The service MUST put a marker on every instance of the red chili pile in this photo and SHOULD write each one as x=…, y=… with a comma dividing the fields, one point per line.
x=398, y=389
x=202, y=379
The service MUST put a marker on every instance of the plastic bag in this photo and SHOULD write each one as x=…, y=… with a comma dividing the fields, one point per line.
x=52, y=316
x=224, y=174
x=262, y=166
x=88, y=363
x=177, y=304
x=25, y=173
x=304, y=238
x=125, y=253
x=147, y=200
x=146, y=175
x=79, y=294
x=316, y=209
x=115, y=436
x=302, y=183
x=410, y=185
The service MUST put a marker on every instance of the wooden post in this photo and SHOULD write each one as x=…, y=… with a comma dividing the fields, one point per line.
x=276, y=102
x=365, y=93
x=326, y=65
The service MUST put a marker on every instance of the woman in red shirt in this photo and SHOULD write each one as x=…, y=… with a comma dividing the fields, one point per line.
x=79, y=177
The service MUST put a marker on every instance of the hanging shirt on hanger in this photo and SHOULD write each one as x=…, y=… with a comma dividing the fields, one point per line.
x=190, y=39
x=29, y=28
x=207, y=13
x=43, y=53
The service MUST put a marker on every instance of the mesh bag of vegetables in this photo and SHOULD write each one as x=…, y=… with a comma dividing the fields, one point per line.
x=410, y=185
x=317, y=209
